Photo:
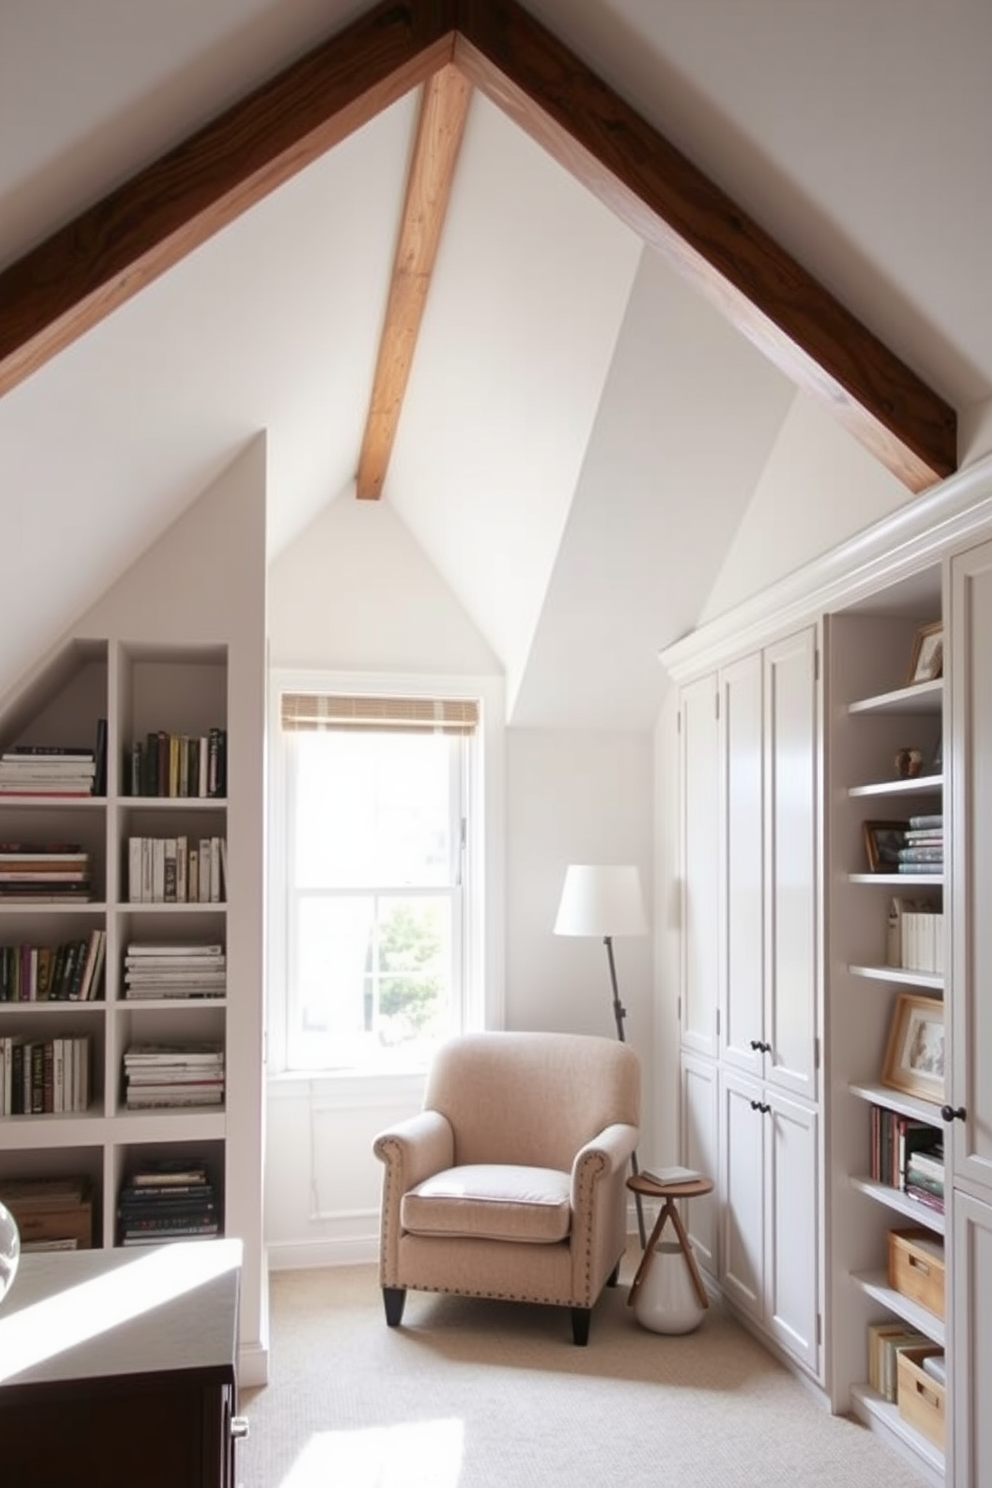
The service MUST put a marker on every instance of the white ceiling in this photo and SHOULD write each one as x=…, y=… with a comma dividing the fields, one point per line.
x=583, y=437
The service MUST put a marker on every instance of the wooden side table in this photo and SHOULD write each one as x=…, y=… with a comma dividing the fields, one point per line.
x=694, y=1188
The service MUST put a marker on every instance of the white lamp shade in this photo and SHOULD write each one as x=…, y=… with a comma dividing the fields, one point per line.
x=601, y=900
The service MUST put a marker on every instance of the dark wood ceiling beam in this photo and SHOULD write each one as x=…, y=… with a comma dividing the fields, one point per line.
x=759, y=287
x=440, y=128
x=114, y=249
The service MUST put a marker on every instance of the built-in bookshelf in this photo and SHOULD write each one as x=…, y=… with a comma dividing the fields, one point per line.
x=95, y=976
x=886, y=788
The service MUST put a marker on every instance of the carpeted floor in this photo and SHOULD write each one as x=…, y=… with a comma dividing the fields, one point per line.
x=474, y=1394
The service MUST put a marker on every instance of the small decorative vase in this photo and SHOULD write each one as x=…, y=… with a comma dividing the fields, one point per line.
x=666, y=1300
x=10, y=1250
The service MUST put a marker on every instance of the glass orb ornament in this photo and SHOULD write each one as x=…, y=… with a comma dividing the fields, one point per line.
x=10, y=1249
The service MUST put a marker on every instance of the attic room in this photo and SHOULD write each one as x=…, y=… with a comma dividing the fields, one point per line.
x=605, y=484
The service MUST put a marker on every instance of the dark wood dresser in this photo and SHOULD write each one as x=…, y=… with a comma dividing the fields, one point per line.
x=119, y=1367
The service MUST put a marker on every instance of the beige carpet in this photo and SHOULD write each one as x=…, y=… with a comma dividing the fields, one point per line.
x=472, y=1394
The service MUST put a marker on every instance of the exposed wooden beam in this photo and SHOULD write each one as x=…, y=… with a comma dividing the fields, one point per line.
x=672, y=205
x=114, y=249
x=67, y=284
x=440, y=127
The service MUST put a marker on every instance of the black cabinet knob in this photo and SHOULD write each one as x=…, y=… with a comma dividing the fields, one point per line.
x=950, y=1113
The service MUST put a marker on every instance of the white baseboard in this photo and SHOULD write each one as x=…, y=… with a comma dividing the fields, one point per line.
x=305, y=1255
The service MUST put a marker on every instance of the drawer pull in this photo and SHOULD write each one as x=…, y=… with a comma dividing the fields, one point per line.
x=920, y=1264
x=240, y=1427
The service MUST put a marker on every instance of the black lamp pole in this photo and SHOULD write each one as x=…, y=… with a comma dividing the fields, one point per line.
x=619, y=1013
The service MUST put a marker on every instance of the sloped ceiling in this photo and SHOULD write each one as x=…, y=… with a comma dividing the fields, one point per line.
x=582, y=433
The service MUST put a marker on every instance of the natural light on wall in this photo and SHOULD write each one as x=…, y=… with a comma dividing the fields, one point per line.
x=419, y=1454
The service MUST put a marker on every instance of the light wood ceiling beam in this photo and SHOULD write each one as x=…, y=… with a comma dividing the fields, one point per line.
x=93, y=264
x=86, y=269
x=704, y=235
x=440, y=127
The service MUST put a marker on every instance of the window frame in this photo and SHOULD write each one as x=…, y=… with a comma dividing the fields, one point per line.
x=482, y=1003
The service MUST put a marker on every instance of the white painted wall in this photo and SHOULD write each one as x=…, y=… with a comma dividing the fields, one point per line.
x=818, y=488
x=575, y=797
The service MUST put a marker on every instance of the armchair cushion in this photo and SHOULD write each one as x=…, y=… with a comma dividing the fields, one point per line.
x=492, y=1201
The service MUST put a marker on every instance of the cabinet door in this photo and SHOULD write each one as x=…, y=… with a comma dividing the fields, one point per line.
x=742, y=1021
x=969, y=789
x=792, y=1227
x=791, y=876
x=700, y=865
x=700, y=1150
x=742, y=1184
x=969, y=1437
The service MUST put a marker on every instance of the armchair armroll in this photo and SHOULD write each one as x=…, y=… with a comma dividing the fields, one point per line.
x=412, y=1150
x=599, y=1207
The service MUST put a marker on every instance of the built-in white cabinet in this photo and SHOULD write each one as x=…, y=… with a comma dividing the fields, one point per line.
x=769, y=868
x=770, y=1215
x=699, y=1115
x=750, y=1004
x=970, y=1420
x=969, y=1092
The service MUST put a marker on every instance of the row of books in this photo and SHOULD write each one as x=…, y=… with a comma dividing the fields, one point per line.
x=902, y=1147
x=71, y=971
x=915, y=935
x=162, y=1075
x=166, y=764
x=167, y=1199
x=33, y=873
x=885, y=1343
x=56, y=769
x=43, y=1077
x=175, y=969
x=177, y=870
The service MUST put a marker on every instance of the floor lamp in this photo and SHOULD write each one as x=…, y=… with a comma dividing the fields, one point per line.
x=605, y=901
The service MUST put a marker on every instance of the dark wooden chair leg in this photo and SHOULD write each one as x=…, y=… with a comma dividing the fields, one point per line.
x=614, y=1275
x=394, y=1299
x=581, y=1317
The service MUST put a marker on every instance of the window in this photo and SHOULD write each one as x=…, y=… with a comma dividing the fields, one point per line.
x=377, y=891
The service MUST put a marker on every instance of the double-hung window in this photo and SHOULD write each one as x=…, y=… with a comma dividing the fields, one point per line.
x=377, y=821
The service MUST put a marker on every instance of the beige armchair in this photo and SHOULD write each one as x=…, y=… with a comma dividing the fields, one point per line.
x=511, y=1181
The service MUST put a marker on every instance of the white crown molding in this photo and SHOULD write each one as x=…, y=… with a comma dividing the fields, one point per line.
x=900, y=545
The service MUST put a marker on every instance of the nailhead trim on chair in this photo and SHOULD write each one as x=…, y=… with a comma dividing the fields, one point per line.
x=390, y=1152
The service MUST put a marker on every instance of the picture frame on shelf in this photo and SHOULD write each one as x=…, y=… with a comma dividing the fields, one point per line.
x=883, y=839
x=914, y=1055
x=927, y=660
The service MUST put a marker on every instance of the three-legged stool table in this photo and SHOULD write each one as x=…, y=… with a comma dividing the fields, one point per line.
x=671, y=1192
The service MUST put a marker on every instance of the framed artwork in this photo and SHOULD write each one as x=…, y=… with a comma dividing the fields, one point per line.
x=927, y=662
x=883, y=839
x=914, y=1057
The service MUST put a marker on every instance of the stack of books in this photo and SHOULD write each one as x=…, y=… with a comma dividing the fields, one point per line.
x=174, y=970
x=69, y=972
x=922, y=849
x=925, y=1177
x=166, y=1075
x=885, y=1343
x=915, y=935
x=43, y=873
x=47, y=770
x=169, y=1199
